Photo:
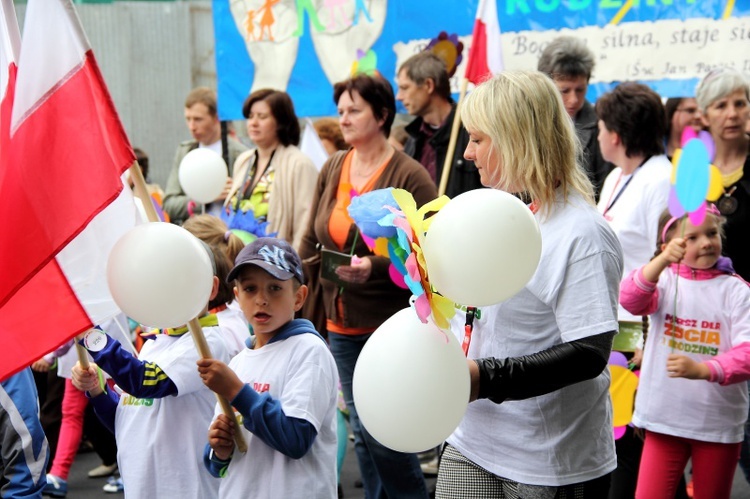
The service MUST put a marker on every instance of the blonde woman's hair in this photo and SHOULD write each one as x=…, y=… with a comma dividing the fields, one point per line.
x=523, y=115
x=214, y=232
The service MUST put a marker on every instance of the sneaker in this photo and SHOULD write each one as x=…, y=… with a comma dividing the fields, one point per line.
x=56, y=487
x=114, y=485
x=103, y=470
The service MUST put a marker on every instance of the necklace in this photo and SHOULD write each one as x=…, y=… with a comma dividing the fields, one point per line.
x=364, y=173
x=727, y=204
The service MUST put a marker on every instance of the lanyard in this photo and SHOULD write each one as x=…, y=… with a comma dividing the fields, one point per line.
x=248, y=186
x=468, y=328
x=625, y=186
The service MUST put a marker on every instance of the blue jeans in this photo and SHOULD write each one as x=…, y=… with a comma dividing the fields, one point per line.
x=385, y=472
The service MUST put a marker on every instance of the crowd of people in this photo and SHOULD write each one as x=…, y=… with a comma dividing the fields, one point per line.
x=618, y=272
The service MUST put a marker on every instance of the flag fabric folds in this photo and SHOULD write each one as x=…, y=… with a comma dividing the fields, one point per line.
x=311, y=145
x=486, y=52
x=63, y=201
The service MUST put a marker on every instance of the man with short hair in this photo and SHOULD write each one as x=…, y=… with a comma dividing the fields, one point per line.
x=202, y=119
x=569, y=62
x=424, y=90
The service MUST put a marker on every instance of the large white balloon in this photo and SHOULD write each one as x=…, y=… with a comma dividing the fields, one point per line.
x=160, y=275
x=203, y=175
x=411, y=383
x=482, y=247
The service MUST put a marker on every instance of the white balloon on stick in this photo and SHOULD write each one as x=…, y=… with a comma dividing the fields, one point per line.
x=202, y=175
x=482, y=247
x=411, y=383
x=160, y=275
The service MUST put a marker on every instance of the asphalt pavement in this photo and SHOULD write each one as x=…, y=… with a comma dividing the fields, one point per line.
x=82, y=487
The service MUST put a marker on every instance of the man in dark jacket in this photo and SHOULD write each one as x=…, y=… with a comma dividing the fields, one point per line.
x=569, y=62
x=424, y=90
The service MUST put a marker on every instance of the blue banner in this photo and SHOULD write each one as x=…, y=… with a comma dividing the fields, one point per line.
x=304, y=46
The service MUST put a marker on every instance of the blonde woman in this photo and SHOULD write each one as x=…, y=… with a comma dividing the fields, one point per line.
x=539, y=422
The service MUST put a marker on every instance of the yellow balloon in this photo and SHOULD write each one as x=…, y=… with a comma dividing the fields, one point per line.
x=447, y=52
x=622, y=390
x=715, y=187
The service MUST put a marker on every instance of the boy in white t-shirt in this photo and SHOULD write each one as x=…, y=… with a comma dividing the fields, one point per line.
x=284, y=386
x=159, y=408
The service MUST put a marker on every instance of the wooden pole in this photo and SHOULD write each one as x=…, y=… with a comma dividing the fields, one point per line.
x=205, y=352
x=139, y=183
x=83, y=357
x=448, y=164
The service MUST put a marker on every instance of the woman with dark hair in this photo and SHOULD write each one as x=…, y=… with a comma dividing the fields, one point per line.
x=681, y=112
x=273, y=184
x=632, y=131
x=363, y=296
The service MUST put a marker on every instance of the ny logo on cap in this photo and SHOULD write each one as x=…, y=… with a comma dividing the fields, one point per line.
x=275, y=256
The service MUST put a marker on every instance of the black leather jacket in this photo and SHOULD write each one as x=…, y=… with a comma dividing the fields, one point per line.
x=519, y=378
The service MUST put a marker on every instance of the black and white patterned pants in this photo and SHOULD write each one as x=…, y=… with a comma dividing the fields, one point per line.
x=459, y=478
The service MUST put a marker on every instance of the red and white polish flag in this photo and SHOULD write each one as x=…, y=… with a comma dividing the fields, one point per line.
x=62, y=197
x=486, y=51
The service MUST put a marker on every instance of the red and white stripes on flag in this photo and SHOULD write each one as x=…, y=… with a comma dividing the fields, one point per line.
x=486, y=51
x=10, y=44
x=62, y=197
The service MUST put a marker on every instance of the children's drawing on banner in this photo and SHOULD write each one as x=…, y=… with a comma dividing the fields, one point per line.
x=305, y=46
x=342, y=32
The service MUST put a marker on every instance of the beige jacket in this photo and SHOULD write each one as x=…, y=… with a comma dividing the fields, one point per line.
x=291, y=196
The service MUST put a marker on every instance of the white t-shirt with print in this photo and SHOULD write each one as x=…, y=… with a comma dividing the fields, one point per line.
x=300, y=373
x=712, y=316
x=160, y=442
x=634, y=216
x=563, y=437
x=235, y=329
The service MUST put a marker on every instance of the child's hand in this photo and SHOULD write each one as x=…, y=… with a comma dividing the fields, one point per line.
x=221, y=437
x=675, y=250
x=87, y=380
x=41, y=366
x=219, y=377
x=680, y=366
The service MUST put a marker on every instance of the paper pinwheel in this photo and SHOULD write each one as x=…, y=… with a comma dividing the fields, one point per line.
x=392, y=226
x=694, y=178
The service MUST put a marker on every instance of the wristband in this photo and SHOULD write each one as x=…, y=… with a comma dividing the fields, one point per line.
x=212, y=457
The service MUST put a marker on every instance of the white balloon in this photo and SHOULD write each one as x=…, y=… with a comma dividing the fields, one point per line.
x=203, y=175
x=411, y=383
x=482, y=247
x=160, y=275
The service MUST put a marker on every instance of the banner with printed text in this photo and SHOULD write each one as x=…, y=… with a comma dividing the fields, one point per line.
x=305, y=46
